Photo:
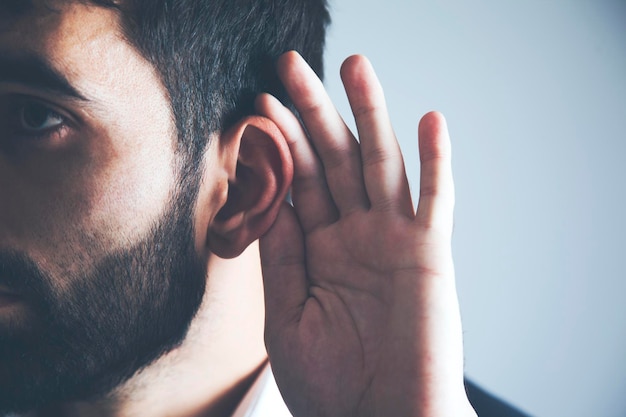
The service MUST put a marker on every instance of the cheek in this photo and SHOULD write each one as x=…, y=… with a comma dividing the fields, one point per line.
x=64, y=208
x=130, y=195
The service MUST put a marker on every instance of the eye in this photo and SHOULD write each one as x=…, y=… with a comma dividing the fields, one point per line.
x=30, y=120
x=34, y=117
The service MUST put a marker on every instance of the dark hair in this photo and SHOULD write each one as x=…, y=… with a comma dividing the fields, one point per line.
x=215, y=56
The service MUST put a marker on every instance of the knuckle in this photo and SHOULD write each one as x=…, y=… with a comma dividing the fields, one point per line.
x=436, y=155
x=308, y=183
x=429, y=191
x=337, y=156
x=313, y=107
x=375, y=156
x=386, y=205
x=365, y=110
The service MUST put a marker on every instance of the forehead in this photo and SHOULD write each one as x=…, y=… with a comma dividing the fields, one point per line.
x=17, y=7
x=57, y=29
x=84, y=43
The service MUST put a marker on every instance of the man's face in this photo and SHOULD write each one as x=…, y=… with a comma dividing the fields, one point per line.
x=98, y=269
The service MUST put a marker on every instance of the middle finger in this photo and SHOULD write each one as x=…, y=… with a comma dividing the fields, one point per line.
x=332, y=139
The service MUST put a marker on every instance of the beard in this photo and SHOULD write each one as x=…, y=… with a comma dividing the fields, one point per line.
x=101, y=328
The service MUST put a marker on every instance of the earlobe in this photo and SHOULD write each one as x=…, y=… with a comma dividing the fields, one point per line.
x=258, y=183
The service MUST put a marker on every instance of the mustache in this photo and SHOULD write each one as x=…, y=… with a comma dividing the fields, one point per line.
x=20, y=274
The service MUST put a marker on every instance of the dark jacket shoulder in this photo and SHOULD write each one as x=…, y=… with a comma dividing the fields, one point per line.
x=487, y=405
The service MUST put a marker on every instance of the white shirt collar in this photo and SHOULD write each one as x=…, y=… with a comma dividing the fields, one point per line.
x=263, y=398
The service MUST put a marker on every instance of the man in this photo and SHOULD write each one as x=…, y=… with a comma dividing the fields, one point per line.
x=138, y=170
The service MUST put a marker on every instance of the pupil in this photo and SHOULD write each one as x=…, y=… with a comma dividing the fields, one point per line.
x=35, y=115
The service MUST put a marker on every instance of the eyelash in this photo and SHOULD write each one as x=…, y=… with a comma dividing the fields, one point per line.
x=44, y=133
x=17, y=104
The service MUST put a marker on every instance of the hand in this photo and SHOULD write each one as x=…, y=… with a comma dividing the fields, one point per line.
x=362, y=316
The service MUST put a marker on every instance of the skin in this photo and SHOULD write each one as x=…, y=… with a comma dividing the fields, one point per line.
x=114, y=169
x=94, y=164
x=363, y=317
x=357, y=287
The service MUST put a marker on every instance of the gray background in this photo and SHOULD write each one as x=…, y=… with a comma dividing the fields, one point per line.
x=535, y=96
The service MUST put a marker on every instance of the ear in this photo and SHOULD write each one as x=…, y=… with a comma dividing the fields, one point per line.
x=260, y=171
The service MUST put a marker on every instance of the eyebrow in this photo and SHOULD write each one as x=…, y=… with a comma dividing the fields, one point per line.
x=33, y=71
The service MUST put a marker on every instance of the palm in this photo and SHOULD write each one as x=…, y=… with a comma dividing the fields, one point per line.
x=354, y=277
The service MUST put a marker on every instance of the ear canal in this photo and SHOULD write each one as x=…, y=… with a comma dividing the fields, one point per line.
x=258, y=186
x=230, y=206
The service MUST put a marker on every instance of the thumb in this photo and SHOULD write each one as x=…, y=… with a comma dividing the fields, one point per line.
x=284, y=272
